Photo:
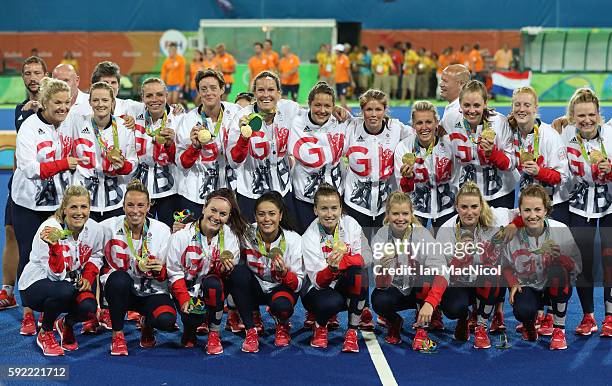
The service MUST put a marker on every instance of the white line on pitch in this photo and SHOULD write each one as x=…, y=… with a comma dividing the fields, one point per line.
x=378, y=358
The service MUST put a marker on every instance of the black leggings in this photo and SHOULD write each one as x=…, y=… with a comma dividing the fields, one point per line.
x=248, y=296
x=456, y=301
x=163, y=209
x=213, y=291
x=304, y=212
x=26, y=223
x=387, y=302
x=56, y=297
x=490, y=291
x=121, y=297
x=349, y=294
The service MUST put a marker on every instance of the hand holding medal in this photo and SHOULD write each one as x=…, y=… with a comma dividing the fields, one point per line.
x=227, y=260
x=276, y=256
x=407, y=168
x=487, y=137
x=52, y=235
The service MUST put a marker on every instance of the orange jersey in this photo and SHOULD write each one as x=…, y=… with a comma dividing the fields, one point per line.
x=343, y=69
x=259, y=64
x=227, y=65
x=461, y=58
x=194, y=67
x=444, y=61
x=476, y=62
x=285, y=66
x=272, y=56
x=173, y=71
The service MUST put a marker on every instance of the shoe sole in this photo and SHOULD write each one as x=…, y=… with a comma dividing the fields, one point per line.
x=393, y=343
x=46, y=354
x=59, y=332
x=315, y=346
x=250, y=352
x=215, y=353
x=482, y=347
x=27, y=333
x=8, y=307
x=147, y=346
x=558, y=348
x=351, y=351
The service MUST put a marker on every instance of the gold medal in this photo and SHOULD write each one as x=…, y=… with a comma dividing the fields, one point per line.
x=204, y=135
x=114, y=154
x=142, y=265
x=488, y=134
x=160, y=139
x=57, y=234
x=596, y=156
x=548, y=246
x=340, y=247
x=246, y=131
x=526, y=156
x=409, y=158
x=226, y=256
x=275, y=253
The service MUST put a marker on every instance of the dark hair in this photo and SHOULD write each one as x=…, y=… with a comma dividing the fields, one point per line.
x=236, y=222
x=258, y=44
x=275, y=198
x=268, y=41
x=104, y=69
x=248, y=96
x=321, y=88
x=326, y=189
x=210, y=73
x=32, y=60
x=173, y=44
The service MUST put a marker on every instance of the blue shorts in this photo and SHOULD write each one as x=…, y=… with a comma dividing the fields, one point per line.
x=176, y=87
x=342, y=88
x=228, y=88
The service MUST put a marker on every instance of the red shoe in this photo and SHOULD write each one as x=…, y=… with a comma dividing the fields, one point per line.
x=539, y=320
x=147, y=335
x=7, y=301
x=497, y=323
x=202, y=329
x=319, y=337
x=519, y=328
x=366, y=321
x=258, y=322
x=381, y=322
x=282, y=338
x=558, y=340
x=46, y=341
x=332, y=323
x=90, y=326
x=350, y=341
x=606, y=327
x=213, y=346
x=118, y=345
x=189, y=339
x=394, y=330
x=104, y=319
x=67, y=339
x=546, y=325
x=28, y=325
x=436, y=322
x=473, y=321
x=234, y=324
x=481, y=338
x=251, y=341
x=133, y=316
x=310, y=321
x=529, y=333
x=587, y=326
x=462, y=332
x=419, y=338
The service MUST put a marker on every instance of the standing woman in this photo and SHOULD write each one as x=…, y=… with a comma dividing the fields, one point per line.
x=273, y=273
x=260, y=155
x=107, y=149
x=317, y=142
x=155, y=130
x=43, y=158
x=587, y=139
x=332, y=247
x=135, y=248
x=482, y=143
x=541, y=265
x=424, y=167
x=372, y=140
x=201, y=258
x=65, y=260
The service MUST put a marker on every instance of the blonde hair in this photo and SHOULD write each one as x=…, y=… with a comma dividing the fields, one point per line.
x=535, y=190
x=69, y=193
x=49, y=87
x=151, y=81
x=486, y=214
x=517, y=91
x=423, y=106
x=373, y=95
x=582, y=95
x=399, y=198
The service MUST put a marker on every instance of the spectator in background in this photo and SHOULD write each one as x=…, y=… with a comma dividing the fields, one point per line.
x=395, y=74
x=461, y=57
x=503, y=58
x=365, y=69
x=79, y=102
x=381, y=67
x=271, y=55
x=34, y=52
x=69, y=59
x=258, y=62
x=343, y=76
x=425, y=67
x=288, y=68
x=411, y=59
x=476, y=65
x=354, y=58
x=244, y=99
x=433, y=80
x=326, y=64
x=227, y=65
x=444, y=60
x=173, y=73
x=197, y=64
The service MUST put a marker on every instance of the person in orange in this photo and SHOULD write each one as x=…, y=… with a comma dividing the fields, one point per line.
x=326, y=64
x=258, y=62
x=461, y=57
x=271, y=55
x=288, y=68
x=173, y=73
x=343, y=76
x=476, y=63
x=227, y=64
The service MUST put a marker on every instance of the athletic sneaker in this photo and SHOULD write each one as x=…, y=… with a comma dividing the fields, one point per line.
x=606, y=327
x=319, y=337
x=133, y=316
x=558, y=340
x=350, y=341
x=436, y=322
x=202, y=329
x=234, y=324
x=66, y=333
x=28, y=325
x=147, y=335
x=481, y=338
x=104, y=319
x=46, y=341
x=258, y=322
x=7, y=301
x=462, y=332
x=118, y=344
x=497, y=323
x=394, y=330
x=381, y=322
x=529, y=332
x=251, y=341
x=213, y=346
x=189, y=339
x=420, y=337
x=282, y=337
x=587, y=326
x=333, y=323
x=366, y=321
x=309, y=323
x=90, y=326
x=546, y=325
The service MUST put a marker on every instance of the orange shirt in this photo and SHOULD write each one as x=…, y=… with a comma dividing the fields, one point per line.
x=285, y=66
x=272, y=56
x=460, y=58
x=173, y=71
x=444, y=61
x=258, y=64
x=227, y=65
x=476, y=62
x=343, y=69
x=194, y=67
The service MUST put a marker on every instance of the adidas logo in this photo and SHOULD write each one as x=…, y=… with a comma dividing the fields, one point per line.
x=360, y=139
x=85, y=130
x=120, y=232
x=41, y=131
x=140, y=116
x=458, y=125
x=573, y=140
x=307, y=129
